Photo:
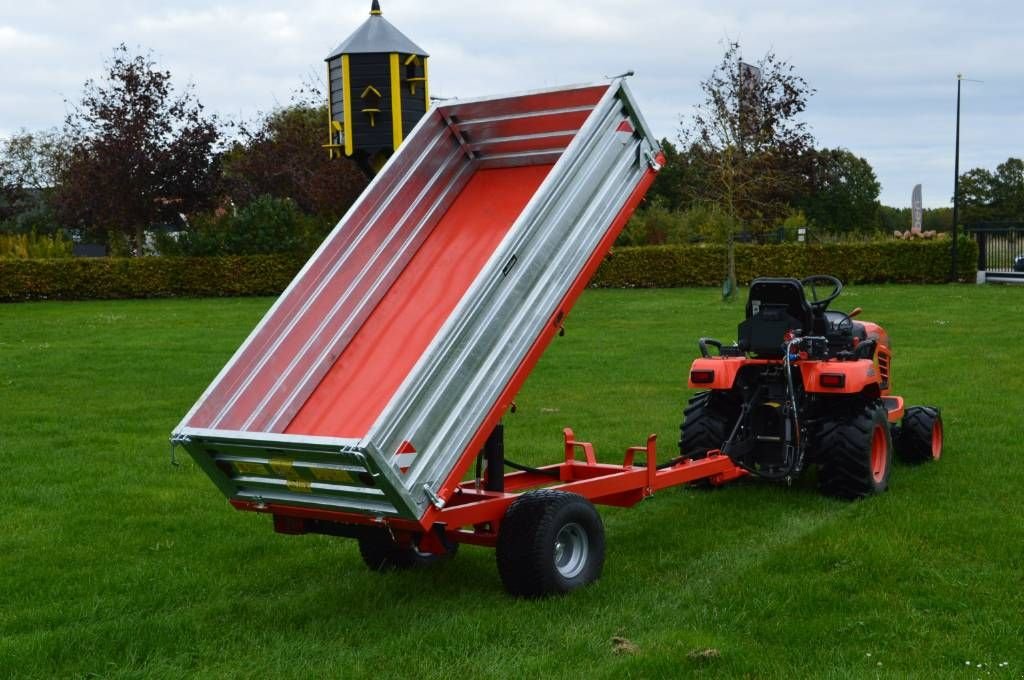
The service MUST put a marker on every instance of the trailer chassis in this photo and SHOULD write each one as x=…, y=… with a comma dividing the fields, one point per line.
x=477, y=508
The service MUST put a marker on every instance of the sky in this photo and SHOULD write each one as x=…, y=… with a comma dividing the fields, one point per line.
x=884, y=72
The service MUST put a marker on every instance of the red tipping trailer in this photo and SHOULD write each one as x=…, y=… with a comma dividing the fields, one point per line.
x=362, y=399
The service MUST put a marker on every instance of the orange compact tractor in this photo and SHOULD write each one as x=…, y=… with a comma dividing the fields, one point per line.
x=805, y=385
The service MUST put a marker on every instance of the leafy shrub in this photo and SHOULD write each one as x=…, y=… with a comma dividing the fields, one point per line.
x=267, y=225
x=656, y=224
x=32, y=245
x=704, y=264
x=141, y=277
x=649, y=267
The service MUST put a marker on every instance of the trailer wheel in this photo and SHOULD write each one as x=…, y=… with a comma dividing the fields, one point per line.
x=707, y=420
x=856, y=452
x=550, y=542
x=920, y=437
x=380, y=552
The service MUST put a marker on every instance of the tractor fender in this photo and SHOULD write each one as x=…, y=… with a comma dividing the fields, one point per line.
x=722, y=370
x=856, y=376
x=876, y=333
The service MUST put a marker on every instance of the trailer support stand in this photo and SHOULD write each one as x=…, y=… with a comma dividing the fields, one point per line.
x=494, y=454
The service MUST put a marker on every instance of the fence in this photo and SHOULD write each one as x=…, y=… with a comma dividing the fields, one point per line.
x=1000, y=253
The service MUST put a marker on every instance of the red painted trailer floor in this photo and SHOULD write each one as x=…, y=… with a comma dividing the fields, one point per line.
x=373, y=365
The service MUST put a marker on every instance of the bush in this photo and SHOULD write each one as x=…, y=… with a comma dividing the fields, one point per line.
x=648, y=267
x=142, y=277
x=34, y=246
x=704, y=264
x=656, y=224
x=266, y=226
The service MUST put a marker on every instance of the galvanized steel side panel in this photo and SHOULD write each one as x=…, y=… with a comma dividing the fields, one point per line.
x=456, y=383
x=303, y=471
x=234, y=430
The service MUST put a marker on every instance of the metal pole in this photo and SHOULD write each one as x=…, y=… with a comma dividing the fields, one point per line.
x=956, y=180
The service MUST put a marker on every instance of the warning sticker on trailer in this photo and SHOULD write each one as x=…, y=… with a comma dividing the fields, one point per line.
x=404, y=456
x=245, y=468
x=334, y=475
x=300, y=485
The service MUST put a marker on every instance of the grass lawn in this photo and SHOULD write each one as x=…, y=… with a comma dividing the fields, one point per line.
x=116, y=564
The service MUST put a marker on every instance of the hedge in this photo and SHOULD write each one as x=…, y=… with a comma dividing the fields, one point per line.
x=143, y=277
x=639, y=267
x=704, y=265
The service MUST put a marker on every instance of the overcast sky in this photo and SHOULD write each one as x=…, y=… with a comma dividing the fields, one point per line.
x=884, y=71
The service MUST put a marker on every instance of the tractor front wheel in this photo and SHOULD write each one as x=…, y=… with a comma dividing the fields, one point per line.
x=856, y=452
x=381, y=552
x=920, y=437
x=550, y=542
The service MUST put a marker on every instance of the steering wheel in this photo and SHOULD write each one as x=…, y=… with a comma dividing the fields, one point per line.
x=820, y=305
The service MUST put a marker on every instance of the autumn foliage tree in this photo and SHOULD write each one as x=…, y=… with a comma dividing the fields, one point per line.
x=282, y=155
x=139, y=153
x=746, y=143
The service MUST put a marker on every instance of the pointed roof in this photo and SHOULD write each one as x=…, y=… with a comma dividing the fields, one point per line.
x=377, y=35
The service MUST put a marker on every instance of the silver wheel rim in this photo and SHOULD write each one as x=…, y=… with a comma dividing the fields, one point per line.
x=571, y=550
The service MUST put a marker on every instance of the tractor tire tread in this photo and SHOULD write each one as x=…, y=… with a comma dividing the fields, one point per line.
x=845, y=444
x=526, y=530
x=914, y=441
x=705, y=426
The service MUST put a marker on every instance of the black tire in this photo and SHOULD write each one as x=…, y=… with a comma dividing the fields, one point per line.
x=550, y=542
x=920, y=437
x=856, y=452
x=707, y=421
x=380, y=552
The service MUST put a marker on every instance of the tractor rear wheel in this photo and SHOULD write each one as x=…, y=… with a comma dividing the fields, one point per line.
x=920, y=437
x=550, y=542
x=381, y=552
x=707, y=421
x=856, y=451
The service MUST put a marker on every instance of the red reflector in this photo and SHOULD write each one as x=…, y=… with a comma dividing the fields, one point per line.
x=702, y=377
x=833, y=380
x=289, y=525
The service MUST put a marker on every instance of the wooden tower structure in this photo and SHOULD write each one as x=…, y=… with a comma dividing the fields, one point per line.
x=377, y=92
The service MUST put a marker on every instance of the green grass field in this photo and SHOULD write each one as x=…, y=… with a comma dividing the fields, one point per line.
x=113, y=563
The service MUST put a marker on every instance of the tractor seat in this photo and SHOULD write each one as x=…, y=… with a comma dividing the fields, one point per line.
x=774, y=306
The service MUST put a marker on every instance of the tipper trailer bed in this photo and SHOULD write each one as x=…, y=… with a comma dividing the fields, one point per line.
x=362, y=399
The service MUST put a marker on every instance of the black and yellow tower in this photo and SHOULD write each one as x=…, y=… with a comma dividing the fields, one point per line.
x=377, y=92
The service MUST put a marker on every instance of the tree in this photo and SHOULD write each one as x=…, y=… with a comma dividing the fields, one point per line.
x=993, y=196
x=672, y=188
x=139, y=154
x=747, y=145
x=899, y=219
x=976, y=196
x=266, y=225
x=843, y=192
x=283, y=156
x=29, y=165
